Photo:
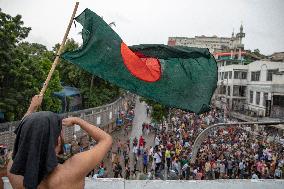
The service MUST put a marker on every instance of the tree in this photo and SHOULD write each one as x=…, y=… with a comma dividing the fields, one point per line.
x=23, y=68
x=11, y=32
x=258, y=54
x=40, y=62
x=159, y=111
x=256, y=51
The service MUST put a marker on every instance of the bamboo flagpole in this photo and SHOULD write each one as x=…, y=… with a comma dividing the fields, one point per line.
x=56, y=60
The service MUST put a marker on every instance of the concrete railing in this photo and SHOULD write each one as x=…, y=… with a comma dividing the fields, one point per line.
x=181, y=184
x=102, y=116
x=111, y=183
x=242, y=116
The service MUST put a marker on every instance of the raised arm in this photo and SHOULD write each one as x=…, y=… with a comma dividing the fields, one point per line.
x=82, y=163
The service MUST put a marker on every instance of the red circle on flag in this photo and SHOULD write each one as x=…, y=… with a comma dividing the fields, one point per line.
x=146, y=69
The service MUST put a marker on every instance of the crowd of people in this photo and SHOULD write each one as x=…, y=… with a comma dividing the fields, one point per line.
x=230, y=153
x=120, y=152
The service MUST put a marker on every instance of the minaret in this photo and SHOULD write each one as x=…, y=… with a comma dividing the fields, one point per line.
x=239, y=37
x=241, y=33
x=232, y=43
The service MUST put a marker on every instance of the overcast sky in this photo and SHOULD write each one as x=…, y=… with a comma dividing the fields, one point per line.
x=153, y=21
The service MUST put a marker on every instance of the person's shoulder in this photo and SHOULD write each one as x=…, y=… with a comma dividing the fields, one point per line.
x=60, y=175
x=55, y=177
x=63, y=176
x=60, y=178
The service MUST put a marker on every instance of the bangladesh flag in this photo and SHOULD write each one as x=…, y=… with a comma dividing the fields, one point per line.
x=180, y=77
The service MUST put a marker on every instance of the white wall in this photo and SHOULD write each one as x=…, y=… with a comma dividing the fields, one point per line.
x=262, y=86
x=278, y=79
x=263, y=66
x=181, y=184
x=111, y=183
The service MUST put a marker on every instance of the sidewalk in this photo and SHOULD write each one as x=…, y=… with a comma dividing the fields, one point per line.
x=136, y=131
x=140, y=117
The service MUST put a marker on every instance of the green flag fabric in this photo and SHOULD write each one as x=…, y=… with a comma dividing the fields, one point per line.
x=180, y=77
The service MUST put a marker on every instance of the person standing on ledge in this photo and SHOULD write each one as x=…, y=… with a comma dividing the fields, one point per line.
x=39, y=141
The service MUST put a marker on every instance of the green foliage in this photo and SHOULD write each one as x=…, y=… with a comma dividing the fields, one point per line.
x=23, y=69
x=257, y=53
x=95, y=91
x=159, y=111
x=50, y=102
x=11, y=32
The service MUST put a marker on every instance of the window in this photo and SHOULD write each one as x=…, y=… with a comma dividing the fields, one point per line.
x=255, y=76
x=229, y=90
x=244, y=75
x=226, y=75
x=236, y=74
x=239, y=90
x=222, y=75
x=242, y=91
x=235, y=90
x=251, y=97
x=265, y=98
x=257, y=98
x=240, y=75
x=270, y=73
x=230, y=74
x=278, y=100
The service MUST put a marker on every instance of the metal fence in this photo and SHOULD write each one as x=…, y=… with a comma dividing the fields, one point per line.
x=102, y=116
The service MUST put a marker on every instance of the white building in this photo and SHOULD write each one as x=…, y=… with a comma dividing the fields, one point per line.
x=256, y=88
x=232, y=85
x=266, y=88
x=214, y=43
x=278, y=56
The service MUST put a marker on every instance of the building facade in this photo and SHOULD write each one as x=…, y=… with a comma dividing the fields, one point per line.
x=214, y=44
x=278, y=56
x=255, y=89
x=266, y=88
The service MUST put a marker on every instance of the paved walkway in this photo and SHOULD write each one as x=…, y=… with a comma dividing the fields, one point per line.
x=136, y=131
x=140, y=117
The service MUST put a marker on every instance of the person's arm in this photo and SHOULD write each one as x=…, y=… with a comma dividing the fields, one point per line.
x=35, y=103
x=82, y=163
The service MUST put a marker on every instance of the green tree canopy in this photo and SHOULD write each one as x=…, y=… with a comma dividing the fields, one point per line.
x=159, y=111
x=23, y=69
